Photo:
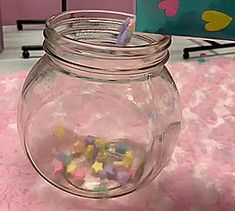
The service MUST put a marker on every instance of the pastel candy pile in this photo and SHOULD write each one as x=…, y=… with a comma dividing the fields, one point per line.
x=106, y=161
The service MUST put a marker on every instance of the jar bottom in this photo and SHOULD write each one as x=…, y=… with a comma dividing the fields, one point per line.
x=89, y=166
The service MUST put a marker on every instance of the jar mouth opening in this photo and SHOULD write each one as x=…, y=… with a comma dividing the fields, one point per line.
x=70, y=17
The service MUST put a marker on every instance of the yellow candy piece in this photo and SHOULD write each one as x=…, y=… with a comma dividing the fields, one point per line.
x=128, y=159
x=97, y=167
x=78, y=147
x=103, y=157
x=89, y=152
x=100, y=143
x=59, y=133
x=71, y=167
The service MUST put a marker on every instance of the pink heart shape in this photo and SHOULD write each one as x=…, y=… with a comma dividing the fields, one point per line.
x=170, y=6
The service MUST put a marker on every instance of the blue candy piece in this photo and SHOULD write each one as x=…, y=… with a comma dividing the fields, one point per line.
x=124, y=35
x=90, y=139
x=124, y=25
x=122, y=177
x=124, y=38
x=121, y=148
x=110, y=173
x=66, y=159
x=201, y=60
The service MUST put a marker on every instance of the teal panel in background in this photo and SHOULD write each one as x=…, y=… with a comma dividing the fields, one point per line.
x=184, y=17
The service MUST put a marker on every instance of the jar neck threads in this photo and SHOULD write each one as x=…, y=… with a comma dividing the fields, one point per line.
x=86, y=40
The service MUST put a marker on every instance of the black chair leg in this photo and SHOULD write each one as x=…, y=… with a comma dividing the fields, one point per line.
x=213, y=45
x=20, y=23
x=64, y=5
x=26, y=48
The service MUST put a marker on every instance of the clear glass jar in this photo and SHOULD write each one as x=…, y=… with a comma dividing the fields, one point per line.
x=97, y=119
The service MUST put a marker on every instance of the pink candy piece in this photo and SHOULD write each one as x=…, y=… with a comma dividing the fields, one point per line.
x=58, y=168
x=132, y=172
x=79, y=175
x=203, y=55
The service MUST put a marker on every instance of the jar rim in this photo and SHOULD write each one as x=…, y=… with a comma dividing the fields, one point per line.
x=87, y=40
x=163, y=40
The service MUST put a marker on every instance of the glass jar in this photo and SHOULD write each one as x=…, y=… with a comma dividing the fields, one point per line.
x=97, y=119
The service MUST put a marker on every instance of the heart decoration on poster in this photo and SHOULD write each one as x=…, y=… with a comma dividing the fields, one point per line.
x=216, y=21
x=169, y=6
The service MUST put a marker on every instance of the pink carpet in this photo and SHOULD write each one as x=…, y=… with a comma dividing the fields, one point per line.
x=200, y=176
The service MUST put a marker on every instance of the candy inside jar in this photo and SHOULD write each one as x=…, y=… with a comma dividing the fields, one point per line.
x=94, y=163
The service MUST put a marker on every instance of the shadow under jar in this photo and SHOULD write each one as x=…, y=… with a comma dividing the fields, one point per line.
x=96, y=119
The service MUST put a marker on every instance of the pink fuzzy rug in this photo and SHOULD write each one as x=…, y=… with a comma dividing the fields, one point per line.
x=200, y=176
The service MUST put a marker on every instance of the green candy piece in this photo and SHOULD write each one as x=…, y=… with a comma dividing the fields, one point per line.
x=106, y=146
x=101, y=188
